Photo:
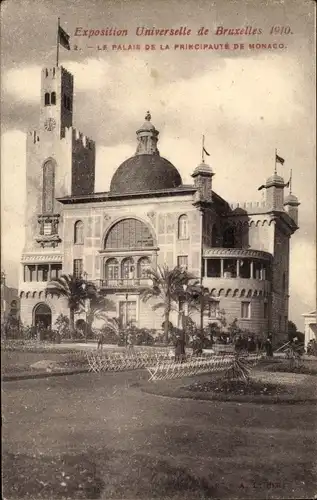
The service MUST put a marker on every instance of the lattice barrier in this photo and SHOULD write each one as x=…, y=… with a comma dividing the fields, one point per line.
x=196, y=366
x=159, y=364
x=99, y=361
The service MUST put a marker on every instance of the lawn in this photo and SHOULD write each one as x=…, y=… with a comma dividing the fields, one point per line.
x=94, y=436
x=21, y=361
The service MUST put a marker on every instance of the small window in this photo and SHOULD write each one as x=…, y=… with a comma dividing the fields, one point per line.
x=78, y=268
x=42, y=273
x=79, y=233
x=47, y=99
x=213, y=309
x=183, y=227
x=56, y=271
x=182, y=261
x=53, y=98
x=246, y=310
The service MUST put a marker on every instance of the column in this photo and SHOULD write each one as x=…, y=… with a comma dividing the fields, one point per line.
x=37, y=272
x=205, y=268
x=221, y=268
x=251, y=269
x=238, y=268
x=49, y=272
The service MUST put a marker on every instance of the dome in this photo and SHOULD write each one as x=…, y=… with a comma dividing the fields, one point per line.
x=147, y=125
x=202, y=168
x=144, y=172
x=291, y=199
x=275, y=180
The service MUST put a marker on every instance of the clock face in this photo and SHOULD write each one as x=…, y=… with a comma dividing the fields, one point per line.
x=49, y=124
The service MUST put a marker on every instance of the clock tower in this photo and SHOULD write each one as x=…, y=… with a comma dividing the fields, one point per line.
x=60, y=161
x=57, y=89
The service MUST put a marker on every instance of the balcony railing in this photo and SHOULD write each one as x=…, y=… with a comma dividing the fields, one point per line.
x=124, y=283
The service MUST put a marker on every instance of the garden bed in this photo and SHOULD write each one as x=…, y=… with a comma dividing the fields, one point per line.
x=263, y=387
x=304, y=367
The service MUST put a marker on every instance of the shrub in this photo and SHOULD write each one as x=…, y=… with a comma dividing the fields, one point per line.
x=136, y=336
x=62, y=326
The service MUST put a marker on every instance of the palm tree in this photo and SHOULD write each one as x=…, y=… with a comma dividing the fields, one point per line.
x=75, y=290
x=198, y=299
x=98, y=306
x=167, y=286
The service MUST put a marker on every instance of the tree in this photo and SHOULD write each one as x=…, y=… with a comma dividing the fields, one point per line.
x=75, y=290
x=97, y=311
x=167, y=286
x=198, y=299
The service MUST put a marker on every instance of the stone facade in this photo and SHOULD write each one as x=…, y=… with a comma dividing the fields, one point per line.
x=240, y=253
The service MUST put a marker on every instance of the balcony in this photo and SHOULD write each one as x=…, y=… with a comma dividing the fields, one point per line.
x=123, y=284
x=234, y=270
x=238, y=253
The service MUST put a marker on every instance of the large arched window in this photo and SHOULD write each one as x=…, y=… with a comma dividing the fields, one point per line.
x=112, y=269
x=183, y=227
x=144, y=265
x=46, y=99
x=48, y=186
x=79, y=232
x=53, y=98
x=129, y=233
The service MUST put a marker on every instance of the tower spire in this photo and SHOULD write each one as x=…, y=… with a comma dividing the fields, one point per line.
x=147, y=137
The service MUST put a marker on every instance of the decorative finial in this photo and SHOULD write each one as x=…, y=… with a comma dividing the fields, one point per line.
x=148, y=116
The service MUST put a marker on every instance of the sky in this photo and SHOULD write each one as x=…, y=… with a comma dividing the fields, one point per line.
x=245, y=102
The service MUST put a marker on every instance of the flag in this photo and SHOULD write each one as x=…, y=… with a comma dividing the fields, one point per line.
x=206, y=152
x=279, y=159
x=63, y=38
x=261, y=187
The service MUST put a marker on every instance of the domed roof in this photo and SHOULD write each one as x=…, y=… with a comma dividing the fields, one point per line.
x=202, y=168
x=144, y=172
x=275, y=179
x=290, y=199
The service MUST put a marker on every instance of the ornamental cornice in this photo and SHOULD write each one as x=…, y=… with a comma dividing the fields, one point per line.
x=236, y=252
x=50, y=240
x=41, y=258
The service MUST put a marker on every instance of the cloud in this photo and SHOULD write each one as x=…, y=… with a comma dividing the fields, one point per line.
x=13, y=191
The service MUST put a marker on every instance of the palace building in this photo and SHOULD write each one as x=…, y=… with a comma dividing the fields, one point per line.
x=149, y=217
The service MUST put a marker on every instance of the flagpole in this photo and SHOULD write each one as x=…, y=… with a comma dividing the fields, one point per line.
x=202, y=150
x=57, y=47
x=275, y=161
x=290, y=181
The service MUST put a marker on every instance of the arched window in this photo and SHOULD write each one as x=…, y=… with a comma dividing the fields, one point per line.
x=47, y=99
x=53, y=98
x=127, y=269
x=144, y=265
x=112, y=269
x=183, y=227
x=214, y=236
x=229, y=237
x=79, y=232
x=129, y=233
x=48, y=186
